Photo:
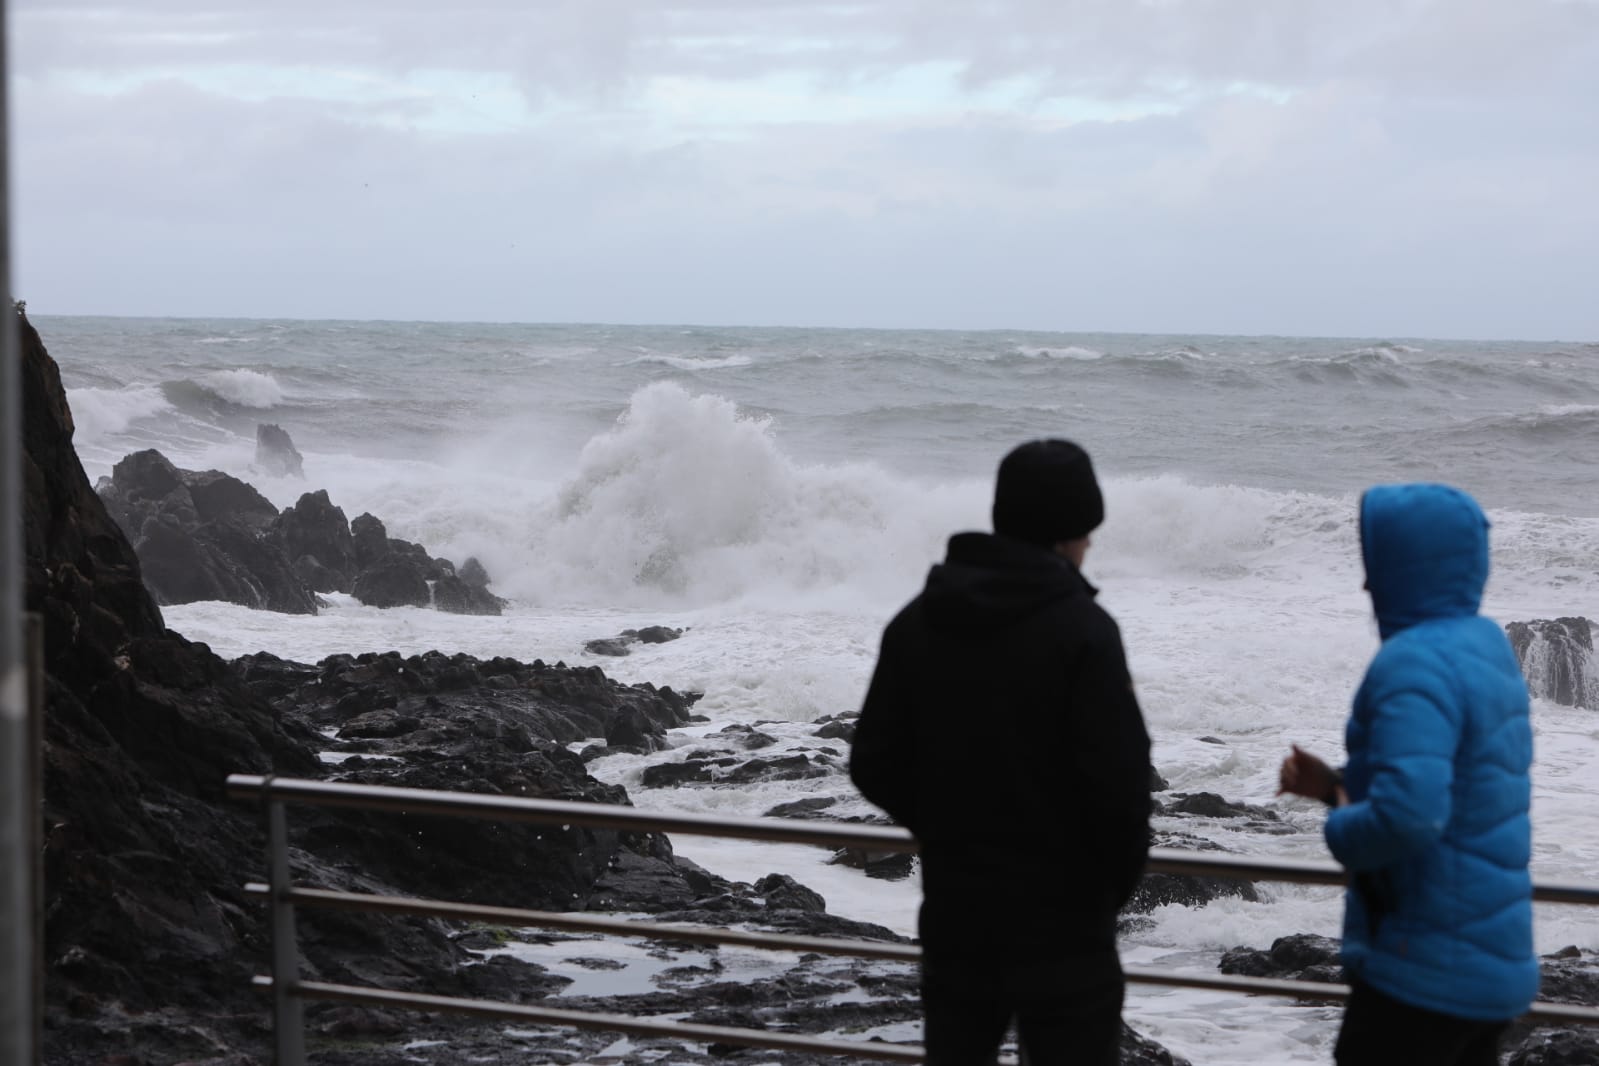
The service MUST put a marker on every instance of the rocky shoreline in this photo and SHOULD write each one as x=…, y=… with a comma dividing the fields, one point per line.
x=150, y=941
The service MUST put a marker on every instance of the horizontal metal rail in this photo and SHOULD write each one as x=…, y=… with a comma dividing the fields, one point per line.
x=284, y=896
x=774, y=830
x=1541, y=1011
x=616, y=1023
x=564, y=812
x=513, y=916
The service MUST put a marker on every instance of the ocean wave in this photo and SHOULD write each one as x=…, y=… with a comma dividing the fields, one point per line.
x=250, y=389
x=690, y=501
x=1387, y=349
x=689, y=362
x=1551, y=424
x=1070, y=351
x=98, y=413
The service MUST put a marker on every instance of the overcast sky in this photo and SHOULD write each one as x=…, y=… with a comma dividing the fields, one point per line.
x=1331, y=167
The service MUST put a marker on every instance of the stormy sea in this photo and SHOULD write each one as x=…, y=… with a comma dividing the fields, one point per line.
x=776, y=494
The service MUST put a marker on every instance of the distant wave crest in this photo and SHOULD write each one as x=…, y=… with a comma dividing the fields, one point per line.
x=688, y=362
x=233, y=388
x=99, y=413
x=1070, y=351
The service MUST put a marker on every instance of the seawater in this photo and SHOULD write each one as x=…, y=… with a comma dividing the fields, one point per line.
x=780, y=492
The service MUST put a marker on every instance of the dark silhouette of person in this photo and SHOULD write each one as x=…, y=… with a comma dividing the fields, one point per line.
x=1001, y=729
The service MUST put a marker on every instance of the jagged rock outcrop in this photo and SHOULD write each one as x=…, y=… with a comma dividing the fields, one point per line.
x=275, y=453
x=202, y=536
x=149, y=940
x=316, y=538
x=1300, y=957
x=398, y=573
x=1557, y=659
x=209, y=536
x=144, y=859
x=622, y=644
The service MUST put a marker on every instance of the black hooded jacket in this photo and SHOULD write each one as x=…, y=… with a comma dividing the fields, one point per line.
x=1001, y=729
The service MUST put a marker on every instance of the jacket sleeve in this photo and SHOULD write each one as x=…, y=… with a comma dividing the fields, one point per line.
x=883, y=755
x=1412, y=732
x=1113, y=763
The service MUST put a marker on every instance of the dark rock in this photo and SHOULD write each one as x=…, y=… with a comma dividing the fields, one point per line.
x=1139, y=1050
x=653, y=634
x=218, y=495
x=1301, y=957
x=204, y=538
x=1557, y=659
x=1570, y=976
x=369, y=539
x=802, y=808
x=458, y=596
x=882, y=865
x=672, y=774
x=393, y=581
x=836, y=729
x=1210, y=805
x=1556, y=1047
x=143, y=856
x=784, y=768
x=749, y=738
x=1156, y=782
x=275, y=453
x=473, y=574
x=150, y=940
x=315, y=534
x=622, y=644
x=782, y=892
x=1158, y=890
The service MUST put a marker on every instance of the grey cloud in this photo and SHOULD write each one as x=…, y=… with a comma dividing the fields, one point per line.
x=1430, y=171
x=1079, y=46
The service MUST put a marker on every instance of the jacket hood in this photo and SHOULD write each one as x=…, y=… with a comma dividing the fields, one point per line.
x=989, y=581
x=1426, y=553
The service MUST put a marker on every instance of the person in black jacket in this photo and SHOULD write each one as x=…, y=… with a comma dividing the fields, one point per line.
x=1001, y=729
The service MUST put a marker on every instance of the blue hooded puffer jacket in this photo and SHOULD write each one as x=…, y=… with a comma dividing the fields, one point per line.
x=1436, y=834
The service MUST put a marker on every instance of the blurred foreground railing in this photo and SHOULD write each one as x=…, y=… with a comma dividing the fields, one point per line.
x=289, y=990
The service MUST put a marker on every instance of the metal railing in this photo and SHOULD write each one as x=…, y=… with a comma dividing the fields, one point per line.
x=289, y=990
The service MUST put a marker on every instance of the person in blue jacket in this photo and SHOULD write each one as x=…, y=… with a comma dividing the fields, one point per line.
x=1430, y=814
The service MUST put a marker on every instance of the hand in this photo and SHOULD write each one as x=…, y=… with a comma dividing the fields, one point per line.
x=1303, y=774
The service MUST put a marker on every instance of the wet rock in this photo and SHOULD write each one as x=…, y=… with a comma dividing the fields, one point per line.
x=202, y=536
x=392, y=582
x=801, y=808
x=622, y=644
x=458, y=596
x=369, y=540
x=275, y=453
x=142, y=853
x=1556, y=656
x=1300, y=957
x=836, y=728
x=782, y=892
x=1556, y=1047
x=473, y=574
x=316, y=535
x=882, y=865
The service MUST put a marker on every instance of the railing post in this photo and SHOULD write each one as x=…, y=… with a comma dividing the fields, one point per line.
x=288, y=1013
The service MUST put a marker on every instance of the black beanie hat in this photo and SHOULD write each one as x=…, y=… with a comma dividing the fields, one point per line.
x=1046, y=493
